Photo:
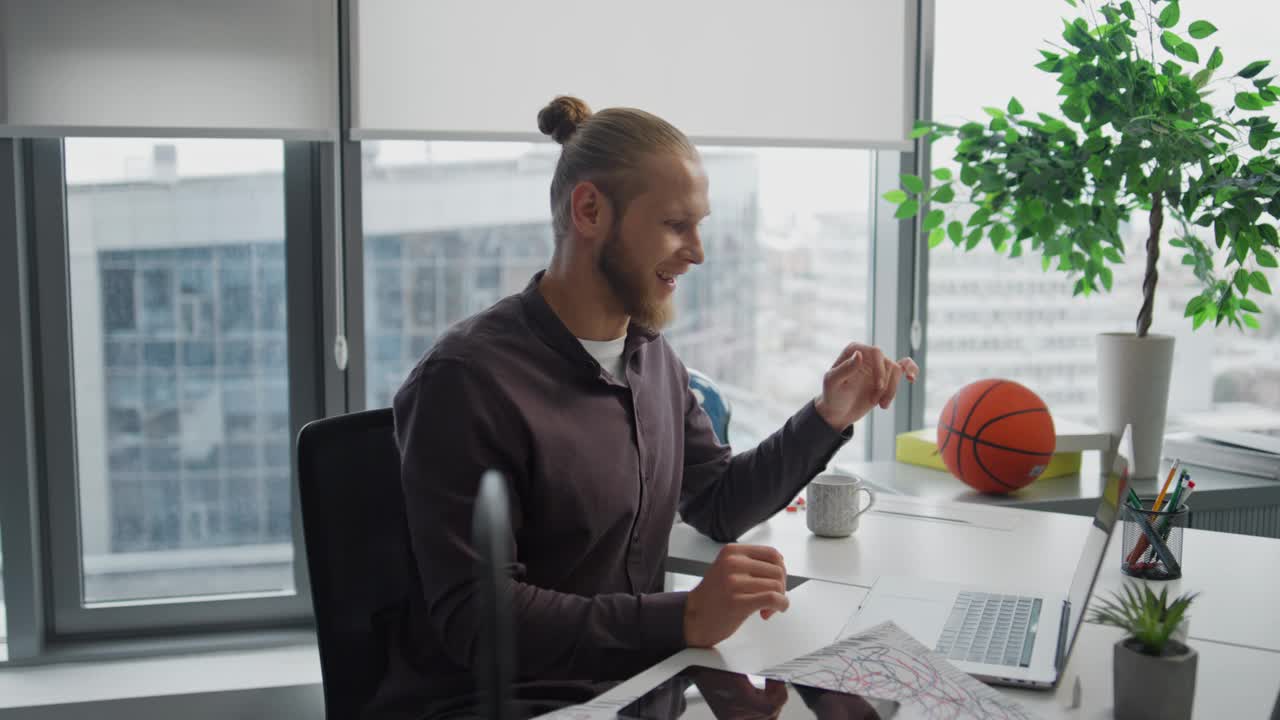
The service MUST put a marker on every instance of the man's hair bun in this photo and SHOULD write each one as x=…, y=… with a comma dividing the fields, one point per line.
x=562, y=116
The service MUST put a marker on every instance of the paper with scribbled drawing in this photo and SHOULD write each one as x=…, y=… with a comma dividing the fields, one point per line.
x=886, y=662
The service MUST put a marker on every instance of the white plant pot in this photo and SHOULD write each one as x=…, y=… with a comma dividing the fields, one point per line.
x=1133, y=389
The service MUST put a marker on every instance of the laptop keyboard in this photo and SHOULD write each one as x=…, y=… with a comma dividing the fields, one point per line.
x=992, y=629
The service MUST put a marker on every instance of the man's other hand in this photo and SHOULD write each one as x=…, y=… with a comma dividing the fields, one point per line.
x=860, y=379
x=743, y=579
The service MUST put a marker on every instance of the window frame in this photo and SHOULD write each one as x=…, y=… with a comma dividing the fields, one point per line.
x=305, y=238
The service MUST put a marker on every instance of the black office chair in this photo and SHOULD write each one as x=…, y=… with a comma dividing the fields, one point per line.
x=361, y=562
x=358, y=552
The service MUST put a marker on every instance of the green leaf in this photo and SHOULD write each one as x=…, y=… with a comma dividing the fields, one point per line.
x=955, y=231
x=1259, y=281
x=1015, y=107
x=999, y=233
x=907, y=209
x=1251, y=321
x=1169, y=16
x=974, y=237
x=1253, y=68
x=1170, y=41
x=944, y=194
x=994, y=112
x=932, y=220
x=1242, y=280
x=1265, y=258
x=936, y=236
x=1249, y=305
x=943, y=174
x=897, y=197
x=968, y=175
x=1106, y=278
x=1215, y=59
x=920, y=131
x=912, y=183
x=1187, y=52
x=1075, y=110
x=1201, y=29
x=1126, y=7
x=1249, y=101
x=1200, y=79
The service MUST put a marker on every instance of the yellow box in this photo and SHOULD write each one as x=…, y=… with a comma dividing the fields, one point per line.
x=920, y=447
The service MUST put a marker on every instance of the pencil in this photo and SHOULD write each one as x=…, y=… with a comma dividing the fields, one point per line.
x=1173, y=469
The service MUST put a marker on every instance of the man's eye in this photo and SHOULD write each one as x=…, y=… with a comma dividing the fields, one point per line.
x=678, y=225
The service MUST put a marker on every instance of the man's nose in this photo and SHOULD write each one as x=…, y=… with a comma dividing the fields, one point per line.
x=693, y=247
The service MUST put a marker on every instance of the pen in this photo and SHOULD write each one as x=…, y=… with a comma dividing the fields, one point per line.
x=1165, y=522
x=1182, y=500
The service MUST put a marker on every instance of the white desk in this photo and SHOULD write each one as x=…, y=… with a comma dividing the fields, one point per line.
x=1231, y=682
x=1238, y=575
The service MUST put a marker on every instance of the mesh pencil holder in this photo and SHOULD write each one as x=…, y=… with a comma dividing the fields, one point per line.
x=1142, y=557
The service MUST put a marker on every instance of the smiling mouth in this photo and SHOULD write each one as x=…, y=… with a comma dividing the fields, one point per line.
x=667, y=278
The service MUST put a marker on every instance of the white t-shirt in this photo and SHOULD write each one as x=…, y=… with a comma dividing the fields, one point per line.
x=609, y=354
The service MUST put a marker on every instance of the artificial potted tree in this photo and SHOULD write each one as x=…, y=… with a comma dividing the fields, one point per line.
x=1154, y=674
x=1138, y=135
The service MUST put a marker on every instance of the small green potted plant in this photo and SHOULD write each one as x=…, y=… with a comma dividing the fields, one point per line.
x=1154, y=674
x=1143, y=136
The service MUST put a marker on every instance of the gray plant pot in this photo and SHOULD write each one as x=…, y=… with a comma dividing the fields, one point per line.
x=1148, y=687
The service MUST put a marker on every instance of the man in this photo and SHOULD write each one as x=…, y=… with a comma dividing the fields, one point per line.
x=572, y=393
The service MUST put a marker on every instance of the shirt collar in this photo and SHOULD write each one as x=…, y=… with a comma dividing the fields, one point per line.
x=548, y=326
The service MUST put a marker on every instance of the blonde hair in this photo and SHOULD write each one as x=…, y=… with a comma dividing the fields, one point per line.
x=605, y=148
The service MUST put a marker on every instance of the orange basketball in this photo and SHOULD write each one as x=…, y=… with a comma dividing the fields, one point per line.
x=996, y=435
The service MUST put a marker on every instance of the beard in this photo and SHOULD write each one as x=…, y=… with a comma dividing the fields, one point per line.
x=634, y=286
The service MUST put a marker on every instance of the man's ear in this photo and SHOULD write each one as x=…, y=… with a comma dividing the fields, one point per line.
x=590, y=211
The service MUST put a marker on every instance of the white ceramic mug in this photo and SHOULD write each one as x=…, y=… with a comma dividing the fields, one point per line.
x=831, y=504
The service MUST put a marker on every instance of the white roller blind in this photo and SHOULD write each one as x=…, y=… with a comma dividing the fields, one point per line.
x=150, y=66
x=812, y=72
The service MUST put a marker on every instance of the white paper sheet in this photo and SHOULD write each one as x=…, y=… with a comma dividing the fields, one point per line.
x=886, y=662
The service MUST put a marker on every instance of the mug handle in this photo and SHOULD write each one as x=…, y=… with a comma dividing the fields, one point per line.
x=871, y=499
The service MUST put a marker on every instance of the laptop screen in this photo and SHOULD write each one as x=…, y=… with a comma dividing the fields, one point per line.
x=1104, y=520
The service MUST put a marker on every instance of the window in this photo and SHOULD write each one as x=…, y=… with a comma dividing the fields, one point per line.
x=783, y=288
x=181, y=380
x=991, y=316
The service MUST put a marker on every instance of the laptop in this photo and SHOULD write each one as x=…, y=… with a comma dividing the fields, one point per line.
x=1004, y=638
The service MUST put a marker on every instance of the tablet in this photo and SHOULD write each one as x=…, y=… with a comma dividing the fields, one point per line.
x=698, y=692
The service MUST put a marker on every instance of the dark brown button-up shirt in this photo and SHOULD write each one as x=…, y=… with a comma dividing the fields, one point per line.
x=597, y=472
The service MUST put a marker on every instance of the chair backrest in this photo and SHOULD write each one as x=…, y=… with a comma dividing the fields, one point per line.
x=491, y=535
x=714, y=402
x=357, y=545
